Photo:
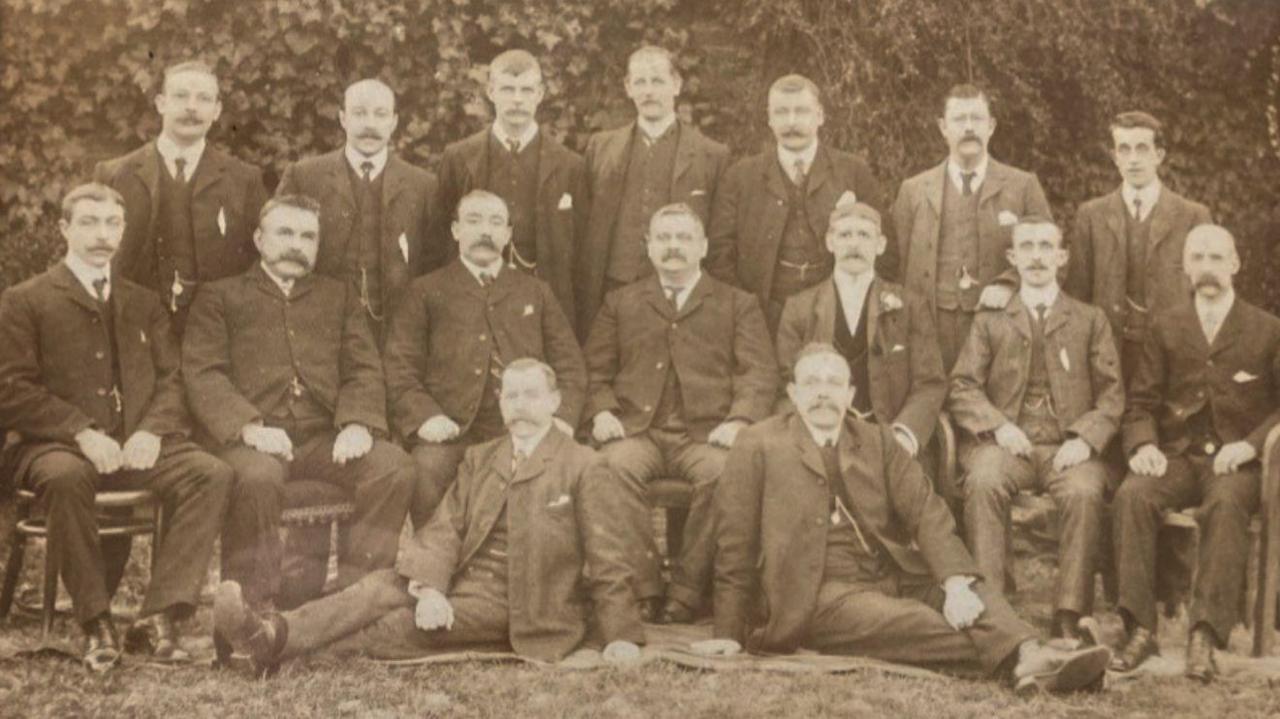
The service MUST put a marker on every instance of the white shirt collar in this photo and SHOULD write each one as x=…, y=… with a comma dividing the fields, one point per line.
x=475, y=269
x=170, y=152
x=355, y=158
x=1149, y=195
x=685, y=291
x=979, y=173
x=853, y=294
x=529, y=445
x=1222, y=305
x=286, y=286
x=822, y=437
x=788, y=158
x=1032, y=296
x=87, y=273
x=523, y=141
x=653, y=130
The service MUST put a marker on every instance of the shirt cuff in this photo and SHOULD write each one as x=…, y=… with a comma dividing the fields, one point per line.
x=418, y=589
x=903, y=431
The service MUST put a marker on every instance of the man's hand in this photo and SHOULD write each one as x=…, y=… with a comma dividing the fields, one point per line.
x=1013, y=439
x=906, y=439
x=433, y=612
x=1072, y=452
x=353, y=442
x=438, y=429
x=995, y=297
x=605, y=427
x=1149, y=461
x=1232, y=456
x=726, y=433
x=962, y=607
x=141, y=450
x=268, y=440
x=716, y=647
x=100, y=449
x=621, y=651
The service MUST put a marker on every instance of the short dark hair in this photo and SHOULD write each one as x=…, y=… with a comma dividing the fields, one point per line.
x=796, y=83
x=654, y=51
x=300, y=202
x=529, y=363
x=95, y=191
x=199, y=66
x=965, y=91
x=479, y=194
x=678, y=209
x=1137, y=118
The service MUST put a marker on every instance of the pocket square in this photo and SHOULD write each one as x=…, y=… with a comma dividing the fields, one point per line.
x=1007, y=218
x=142, y=335
x=222, y=222
x=848, y=198
x=697, y=193
x=566, y=202
x=560, y=501
x=1066, y=359
x=897, y=348
x=528, y=311
x=1243, y=376
x=404, y=247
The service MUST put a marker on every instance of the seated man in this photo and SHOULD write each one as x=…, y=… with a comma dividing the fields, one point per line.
x=831, y=538
x=502, y=562
x=1037, y=393
x=1201, y=403
x=283, y=374
x=678, y=363
x=89, y=378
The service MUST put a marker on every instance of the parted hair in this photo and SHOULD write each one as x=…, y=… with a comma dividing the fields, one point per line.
x=479, y=194
x=529, y=363
x=514, y=62
x=301, y=202
x=654, y=51
x=678, y=209
x=95, y=191
x=965, y=91
x=1137, y=118
x=199, y=66
x=796, y=83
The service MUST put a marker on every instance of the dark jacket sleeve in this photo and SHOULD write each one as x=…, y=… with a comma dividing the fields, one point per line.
x=167, y=415
x=755, y=372
x=26, y=405
x=1146, y=394
x=928, y=391
x=563, y=353
x=893, y=263
x=206, y=369
x=1079, y=276
x=408, y=341
x=362, y=393
x=737, y=514
x=607, y=570
x=452, y=171
x=970, y=407
x=722, y=238
x=603, y=360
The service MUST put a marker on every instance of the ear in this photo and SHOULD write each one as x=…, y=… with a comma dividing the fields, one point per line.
x=1008, y=255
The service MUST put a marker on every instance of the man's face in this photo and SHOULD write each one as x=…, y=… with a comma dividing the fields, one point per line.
x=652, y=86
x=855, y=242
x=528, y=404
x=676, y=244
x=93, y=233
x=967, y=126
x=482, y=230
x=1037, y=253
x=1210, y=261
x=795, y=118
x=188, y=105
x=1136, y=154
x=515, y=98
x=368, y=116
x=821, y=391
x=288, y=239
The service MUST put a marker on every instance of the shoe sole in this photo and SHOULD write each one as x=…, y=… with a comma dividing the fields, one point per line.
x=1075, y=674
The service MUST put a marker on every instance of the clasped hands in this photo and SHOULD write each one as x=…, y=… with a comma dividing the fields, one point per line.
x=139, y=452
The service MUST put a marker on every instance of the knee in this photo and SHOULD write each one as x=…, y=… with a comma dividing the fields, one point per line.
x=259, y=478
x=1083, y=492
x=434, y=465
x=216, y=476
x=1220, y=500
x=64, y=476
x=1132, y=497
x=985, y=481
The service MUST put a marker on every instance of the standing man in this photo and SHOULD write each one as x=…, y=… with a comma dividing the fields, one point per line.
x=953, y=222
x=283, y=374
x=455, y=331
x=1204, y=397
x=649, y=163
x=503, y=562
x=1126, y=246
x=679, y=363
x=376, y=209
x=1037, y=391
x=831, y=538
x=543, y=183
x=89, y=379
x=770, y=215
x=190, y=209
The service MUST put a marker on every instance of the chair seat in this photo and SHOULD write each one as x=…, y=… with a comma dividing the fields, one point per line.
x=310, y=502
x=111, y=521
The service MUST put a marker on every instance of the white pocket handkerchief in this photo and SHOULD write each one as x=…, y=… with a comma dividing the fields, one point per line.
x=848, y=198
x=560, y=501
x=1007, y=218
x=404, y=247
x=566, y=202
x=1066, y=359
x=142, y=335
x=222, y=221
x=528, y=310
x=897, y=348
x=1243, y=377
x=697, y=193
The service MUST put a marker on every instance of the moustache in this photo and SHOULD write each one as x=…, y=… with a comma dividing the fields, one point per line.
x=99, y=248
x=970, y=137
x=1207, y=280
x=192, y=118
x=793, y=133
x=823, y=403
x=673, y=255
x=854, y=255
x=369, y=135
x=292, y=256
x=1037, y=266
x=486, y=243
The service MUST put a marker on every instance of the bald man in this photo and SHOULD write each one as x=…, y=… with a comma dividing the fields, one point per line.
x=376, y=209
x=1204, y=396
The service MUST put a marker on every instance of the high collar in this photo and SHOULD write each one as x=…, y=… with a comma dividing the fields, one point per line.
x=522, y=141
x=822, y=437
x=286, y=286
x=685, y=290
x=355, y=158
x=528, y=445
x=1149, y=196
x=170, y=152
x=87, y=274
x=979, y=174
x=653, y=131
x=475, y=269
x=788, y=158
x=1034, y=296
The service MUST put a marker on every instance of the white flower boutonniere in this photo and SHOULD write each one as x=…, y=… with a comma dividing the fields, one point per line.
x=890, y=302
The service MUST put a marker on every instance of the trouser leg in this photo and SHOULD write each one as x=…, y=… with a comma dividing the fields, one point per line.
x=436, y=467
x=65, y=484
x=1224, y=515
x=992, y=476
x=1078, y=493
x=251, y=548
x=953, y=331
x=1136, y=513
x=635, y=461
x=701, y=464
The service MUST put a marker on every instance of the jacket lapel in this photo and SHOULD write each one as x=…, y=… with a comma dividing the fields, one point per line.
x=1114, y=215
x=339, y=183
x=873, y=313
x=993, y=183
x=1059, y=314
x=685, y=151
x=615, y=148
x=547, y=449
x=478, y=162
x=700, y=292
x=805, y=445
x=1230, y=331
x=147, y=170
x=933, y=187
x=65, y=280
x=209, y=172
x=657, y=298
x=548, y=163
x=1161, y=222
x=826, y=313
x=1020, y=315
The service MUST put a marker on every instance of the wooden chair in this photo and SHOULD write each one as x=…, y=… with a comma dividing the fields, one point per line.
x=672, y=497
x=311, y=521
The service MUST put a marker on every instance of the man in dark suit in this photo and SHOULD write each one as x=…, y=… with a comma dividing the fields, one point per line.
x=1037, y=391
x=678, y=364
x=1126, y=246
x=953, y=223
x=1201, y=403
x=502, y=564
x=283, y=374
x=831, y=538
x=89, y=379
x=770, y=213
x=376, y=209
x=454, y=332
x=190, y=209
x=543, y=183
x=886, y=336
x=635, y=169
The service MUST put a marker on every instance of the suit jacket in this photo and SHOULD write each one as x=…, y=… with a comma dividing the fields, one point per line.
x=699, y=163
x=226, y=196
x=917, y=220
x=246, y=342
x=772, y=523
x=55, y=364
x=904, y=366
x=1098, y=269
x=990, y=378
x=1237, y=378
x=439, y=344
x=750, y=213
x=563, y=568
x=406, y=248
x=560, y=223
x=717, y=344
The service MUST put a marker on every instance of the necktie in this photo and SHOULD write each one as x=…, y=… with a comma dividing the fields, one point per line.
x=798, y=173
x=514, y=146
x=180, y=170
x=486, y=280
x=1210, y=322
x=1041, y=310
x=517, y=458
x=366, y=171
x=967, y=179
x=673, y=295
x=100, y=289
x=1137, y=209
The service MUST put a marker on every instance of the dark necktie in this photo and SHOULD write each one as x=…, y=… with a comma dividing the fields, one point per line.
x=798, y=175
x=967, y=179
x=517, y=458
x=673, y=296
x=1137, y=209
x=366, y=171
x=180, y=170
x=514, y=146
x=1041, y=310
x=486, y=280
x=100, y=289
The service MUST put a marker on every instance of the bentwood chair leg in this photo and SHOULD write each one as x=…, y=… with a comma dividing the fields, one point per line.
x=12, y=570
x=50, y=595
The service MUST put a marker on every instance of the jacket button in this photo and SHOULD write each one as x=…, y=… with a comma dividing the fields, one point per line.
x=484, y=337
x=648, y=408
x=659, y=365
x=818, y=522
x=99, y=354
x=674, y=326
x=479, y=371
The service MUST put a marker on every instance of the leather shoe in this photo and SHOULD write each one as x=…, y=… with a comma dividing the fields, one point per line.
x=1140, y=647
x=1066, y=625
x=1045, y=667
x=257, y=638
x=651, y=610
x=1201, y=665
x=676, y=612
x=101, y=646
x=156, y=636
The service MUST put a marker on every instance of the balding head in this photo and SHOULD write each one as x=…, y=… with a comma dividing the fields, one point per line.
x=1210, y=260
x=368, y=115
